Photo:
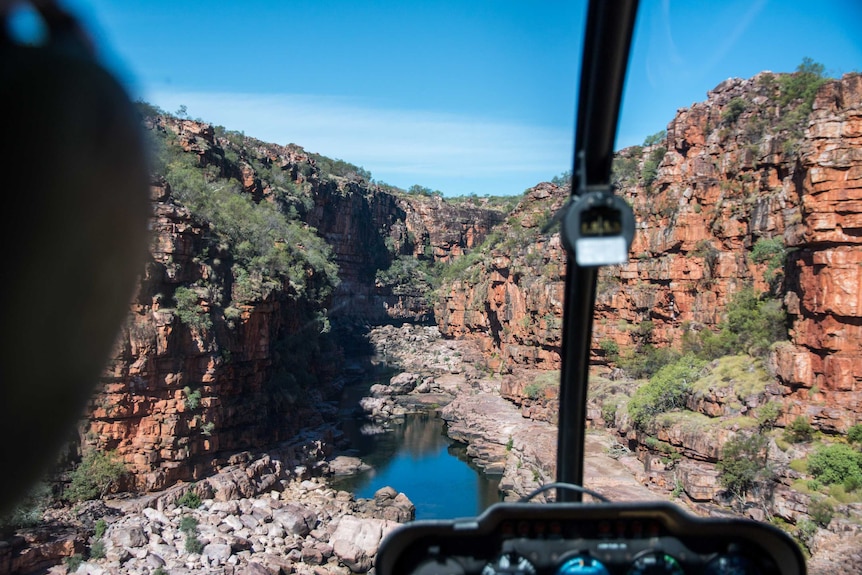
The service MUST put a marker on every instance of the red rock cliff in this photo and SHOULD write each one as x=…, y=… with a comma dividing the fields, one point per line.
x=727, y=174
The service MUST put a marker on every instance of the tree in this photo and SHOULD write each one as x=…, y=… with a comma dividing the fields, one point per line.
x=803, y=83
x=744, y=464
x=96, y=475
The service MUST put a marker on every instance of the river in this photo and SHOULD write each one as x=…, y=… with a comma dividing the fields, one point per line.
x=417, y=458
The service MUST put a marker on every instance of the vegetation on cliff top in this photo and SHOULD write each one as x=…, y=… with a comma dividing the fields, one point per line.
x=269, y=249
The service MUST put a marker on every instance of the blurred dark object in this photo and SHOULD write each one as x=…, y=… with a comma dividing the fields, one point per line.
x=74, y=237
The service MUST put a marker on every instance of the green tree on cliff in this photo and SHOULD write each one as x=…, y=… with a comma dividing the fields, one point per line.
x=744, y=464
x=96, y=475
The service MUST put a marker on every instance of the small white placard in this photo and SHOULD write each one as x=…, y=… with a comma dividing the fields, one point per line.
x=601, y=251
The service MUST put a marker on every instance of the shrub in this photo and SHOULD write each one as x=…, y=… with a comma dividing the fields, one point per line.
x=192, y=399
x=96, y=475
x=563, y=179
x=802, y=84
x=771, y=251
x=28, y=512
x=193, y=544
x=101, y=527
x=73, y=562
x=407, y=275
x=805, y=531
x=625, y=166
x=837, y=463
x=754, y=323
x=733, y=110
x=609, y=412
x=821, y=511
x=710, y=254
x=656, y=138
x=799, y=430
x=647, y=360
x=651, y=165
x=270, y=247
x=188, y=310
x=207, y=428
x=767, y=249
x=767, y=415
x=191, y=500
x=610, y=348
x=336, y=167
x=796, y=99
x=744, y=464
x=188, y=524
x=854, y=434
x=97, y=550
x=534, y=390
x=666, y=390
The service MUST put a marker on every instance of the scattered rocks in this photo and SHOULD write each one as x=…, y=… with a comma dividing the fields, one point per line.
x=306, y=526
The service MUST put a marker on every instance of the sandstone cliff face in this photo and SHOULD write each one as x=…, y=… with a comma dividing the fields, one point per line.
x=727, y=174
x=510, y=296
x=181, y=396
x=178, y=400
x=822, y=365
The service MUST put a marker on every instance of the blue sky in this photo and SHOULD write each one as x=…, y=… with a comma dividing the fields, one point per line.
x=466, y=97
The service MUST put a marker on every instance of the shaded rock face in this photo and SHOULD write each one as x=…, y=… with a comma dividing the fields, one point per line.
x=725, y=176
x=368, y=227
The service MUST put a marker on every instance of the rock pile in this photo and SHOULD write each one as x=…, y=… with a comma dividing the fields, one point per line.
x=307, y=527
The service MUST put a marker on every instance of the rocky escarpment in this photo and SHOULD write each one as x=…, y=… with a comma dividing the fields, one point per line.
x=227, y=346
x=508, y=293
x=741, y=168
x=180, y=396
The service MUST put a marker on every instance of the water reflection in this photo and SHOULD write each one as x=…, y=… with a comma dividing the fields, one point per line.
x=418, y=459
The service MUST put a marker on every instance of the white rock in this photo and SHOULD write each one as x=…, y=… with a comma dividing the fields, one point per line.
x=156, y=516
x=128, y=536
x=217, y=552
x=234, y=522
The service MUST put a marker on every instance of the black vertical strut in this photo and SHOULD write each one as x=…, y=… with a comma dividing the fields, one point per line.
x=610, y=24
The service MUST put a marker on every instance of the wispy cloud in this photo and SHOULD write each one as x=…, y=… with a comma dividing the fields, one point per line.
x=396, y=145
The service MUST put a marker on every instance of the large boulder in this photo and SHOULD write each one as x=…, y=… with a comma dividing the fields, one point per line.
x=295, y=519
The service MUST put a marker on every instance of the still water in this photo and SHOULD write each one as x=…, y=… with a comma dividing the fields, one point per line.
x=417, y=458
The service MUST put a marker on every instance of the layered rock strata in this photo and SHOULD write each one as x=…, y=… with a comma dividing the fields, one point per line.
x=726, y=175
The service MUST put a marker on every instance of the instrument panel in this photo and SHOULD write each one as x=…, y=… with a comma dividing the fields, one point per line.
x=589, y=539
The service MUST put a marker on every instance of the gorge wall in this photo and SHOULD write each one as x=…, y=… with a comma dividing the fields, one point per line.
x=219, y=354
x=743, y=166
x=215, y=359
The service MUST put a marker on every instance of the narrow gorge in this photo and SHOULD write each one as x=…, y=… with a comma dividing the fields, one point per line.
x=277, y=277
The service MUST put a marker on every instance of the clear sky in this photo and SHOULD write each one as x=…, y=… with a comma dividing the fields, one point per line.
x=470, y=96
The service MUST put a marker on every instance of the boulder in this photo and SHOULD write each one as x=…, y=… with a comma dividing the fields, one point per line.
x=217, y=552
x=130, y=536
x=295, y=519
